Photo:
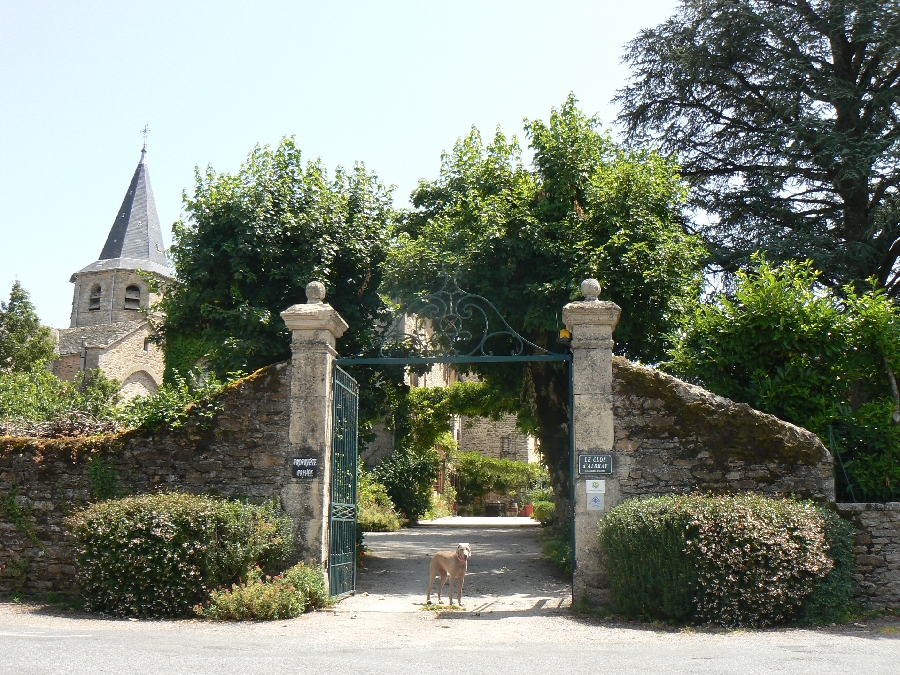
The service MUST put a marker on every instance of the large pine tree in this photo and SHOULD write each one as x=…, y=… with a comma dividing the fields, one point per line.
x=785, y=117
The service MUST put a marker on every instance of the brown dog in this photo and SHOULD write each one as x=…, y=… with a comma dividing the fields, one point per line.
x=450, y=565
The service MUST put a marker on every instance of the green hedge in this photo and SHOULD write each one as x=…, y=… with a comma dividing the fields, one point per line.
x=740, y=560
x=160, y=554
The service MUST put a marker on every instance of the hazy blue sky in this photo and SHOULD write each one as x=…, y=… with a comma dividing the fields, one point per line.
x=391, y=84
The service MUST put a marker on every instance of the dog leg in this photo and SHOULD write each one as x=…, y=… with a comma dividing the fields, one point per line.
x=430, y=586
x=462, y=580
x=444, y=577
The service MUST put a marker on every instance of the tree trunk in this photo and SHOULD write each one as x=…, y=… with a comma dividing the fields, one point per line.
x=893, y=380
x=550, y=388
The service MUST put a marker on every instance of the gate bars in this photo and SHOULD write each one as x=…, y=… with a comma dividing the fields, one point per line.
x=342, y=553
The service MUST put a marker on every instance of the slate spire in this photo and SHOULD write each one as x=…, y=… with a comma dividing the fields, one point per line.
x=135, y=233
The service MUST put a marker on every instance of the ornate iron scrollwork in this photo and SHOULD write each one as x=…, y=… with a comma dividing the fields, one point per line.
x=453, y=322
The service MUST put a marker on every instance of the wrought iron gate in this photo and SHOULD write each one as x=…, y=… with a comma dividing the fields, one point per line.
x=342, y=552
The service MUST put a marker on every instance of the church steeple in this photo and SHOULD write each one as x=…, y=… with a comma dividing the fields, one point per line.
x=135, y=233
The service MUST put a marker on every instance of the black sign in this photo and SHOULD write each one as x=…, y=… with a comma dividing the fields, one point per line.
x=305, y=467
x=595, y=465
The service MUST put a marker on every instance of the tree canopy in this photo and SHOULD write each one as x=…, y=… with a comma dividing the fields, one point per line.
x=25, y=345
x=251, y=243
x=526, y=236
x=784, y=117
x=827, y=362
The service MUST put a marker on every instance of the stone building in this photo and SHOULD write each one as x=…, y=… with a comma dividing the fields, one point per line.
x=108, y=329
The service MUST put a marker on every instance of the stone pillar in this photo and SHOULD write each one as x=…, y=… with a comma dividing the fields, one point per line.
x=591, y=323
x=315, y=328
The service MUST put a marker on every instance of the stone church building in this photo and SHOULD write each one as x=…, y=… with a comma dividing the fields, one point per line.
x=109, y=327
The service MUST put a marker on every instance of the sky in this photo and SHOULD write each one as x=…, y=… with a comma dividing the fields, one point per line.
x=391, y=84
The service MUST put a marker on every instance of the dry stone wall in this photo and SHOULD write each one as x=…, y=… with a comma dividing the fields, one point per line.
x=877, y=551
x=672, y=436
x=244, y=452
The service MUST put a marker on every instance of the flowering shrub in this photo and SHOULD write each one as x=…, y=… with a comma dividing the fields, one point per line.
x=265, y=597
x=740, y=560
x=156, y=555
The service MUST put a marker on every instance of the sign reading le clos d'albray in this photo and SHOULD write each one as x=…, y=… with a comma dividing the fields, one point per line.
x=594, y=465
x=305, y=467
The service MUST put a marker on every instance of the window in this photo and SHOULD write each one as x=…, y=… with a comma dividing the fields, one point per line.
x=146, y=344
x=94, y=302
x=133, y=297
x=507, y=450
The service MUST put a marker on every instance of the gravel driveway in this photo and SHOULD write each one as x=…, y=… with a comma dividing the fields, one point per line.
x=506, y=572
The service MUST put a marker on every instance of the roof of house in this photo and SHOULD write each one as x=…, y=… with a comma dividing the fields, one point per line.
x=98, y=336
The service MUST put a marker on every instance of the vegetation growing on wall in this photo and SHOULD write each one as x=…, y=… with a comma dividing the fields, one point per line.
x=479, y=475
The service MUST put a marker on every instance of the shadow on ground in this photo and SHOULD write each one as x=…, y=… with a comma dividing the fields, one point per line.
x=506, y=571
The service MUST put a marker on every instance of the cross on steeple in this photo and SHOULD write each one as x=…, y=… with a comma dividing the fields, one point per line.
x=144, y=132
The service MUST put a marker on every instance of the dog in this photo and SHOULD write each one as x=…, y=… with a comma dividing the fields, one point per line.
x=450, y=565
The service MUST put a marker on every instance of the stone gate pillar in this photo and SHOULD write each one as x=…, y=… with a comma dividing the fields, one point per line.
x=591, y=323
x=315, y=328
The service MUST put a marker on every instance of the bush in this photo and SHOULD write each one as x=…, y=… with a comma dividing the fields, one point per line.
x=175, y=402
x=557, y=548
x=408, y=475
x=740, y=560
x=441, y=504
x=156, y=555
x=265, y=597
x=544, y=512
x=39, y=396
x=479, y=475
x=376, y=510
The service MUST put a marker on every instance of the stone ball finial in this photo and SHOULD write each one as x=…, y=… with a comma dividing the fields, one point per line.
x=590, y=289
x=315, y=293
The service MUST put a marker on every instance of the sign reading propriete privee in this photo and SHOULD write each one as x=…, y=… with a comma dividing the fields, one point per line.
x=305, y=467
x=595, y=465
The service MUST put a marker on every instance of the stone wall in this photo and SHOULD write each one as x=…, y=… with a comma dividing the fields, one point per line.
x=877, y=551
x=671, y=436
x=493, y=438
x=244, y=452
x=121, y=350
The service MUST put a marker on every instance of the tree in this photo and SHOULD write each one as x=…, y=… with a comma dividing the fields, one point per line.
x=251, y=243
x=25, y=345
x=784, y=117
x=789, y=347
x=525, y=238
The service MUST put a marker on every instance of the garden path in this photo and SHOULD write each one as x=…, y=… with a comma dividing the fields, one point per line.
x=506, y=572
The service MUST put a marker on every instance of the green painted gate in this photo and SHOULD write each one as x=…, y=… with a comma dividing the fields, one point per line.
x=342, y=551
x=451, y=326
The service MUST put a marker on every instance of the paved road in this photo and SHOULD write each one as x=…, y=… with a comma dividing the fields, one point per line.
x=367, y=634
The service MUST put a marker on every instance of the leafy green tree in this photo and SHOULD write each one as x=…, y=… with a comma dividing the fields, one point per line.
x=25, y=344
x=39, y=396
x=250, y=244
x=784, y=116
x=787, y=346
x=525, y=237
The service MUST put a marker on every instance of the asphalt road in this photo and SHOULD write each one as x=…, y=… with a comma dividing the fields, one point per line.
x=513, y=624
